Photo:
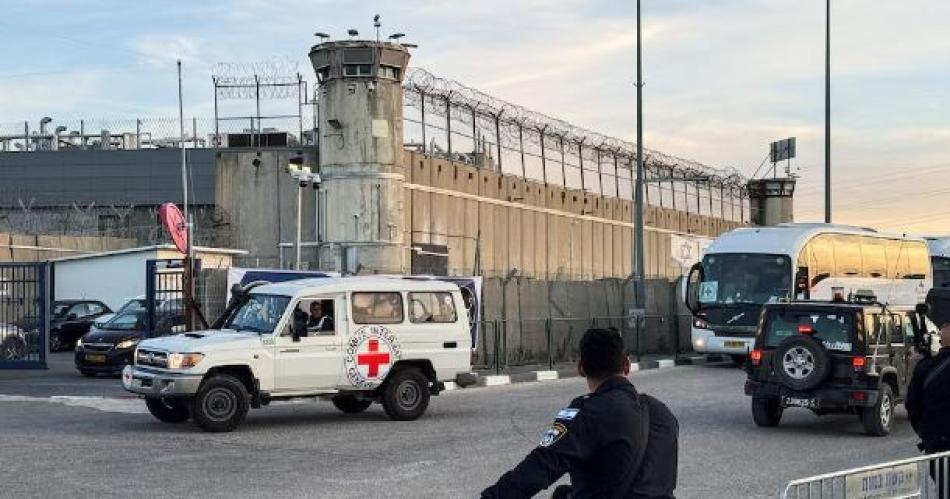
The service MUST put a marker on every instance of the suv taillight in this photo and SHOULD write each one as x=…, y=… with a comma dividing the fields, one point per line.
x=858, y=363
x=755, y=356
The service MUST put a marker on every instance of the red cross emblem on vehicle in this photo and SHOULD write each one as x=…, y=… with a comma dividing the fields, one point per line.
x=373, y=358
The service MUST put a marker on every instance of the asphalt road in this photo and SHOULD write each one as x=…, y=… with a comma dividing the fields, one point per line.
x=65, y=436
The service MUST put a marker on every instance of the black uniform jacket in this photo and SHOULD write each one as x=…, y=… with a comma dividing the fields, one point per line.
x=929, y=409
x=596, y=439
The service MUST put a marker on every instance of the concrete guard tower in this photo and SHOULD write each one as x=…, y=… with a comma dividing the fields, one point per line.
x=771, y=200
x=361, y=156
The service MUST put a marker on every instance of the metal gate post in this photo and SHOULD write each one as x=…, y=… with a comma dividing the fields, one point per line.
x=150, y=274
x=43, y=297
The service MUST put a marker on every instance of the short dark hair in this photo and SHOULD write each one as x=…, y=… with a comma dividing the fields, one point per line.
x=602, y=353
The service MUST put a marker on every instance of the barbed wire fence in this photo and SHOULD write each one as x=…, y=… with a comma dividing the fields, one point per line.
x=446, y=118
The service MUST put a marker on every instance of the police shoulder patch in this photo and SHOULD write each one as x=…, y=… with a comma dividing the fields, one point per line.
x=553, y=434
x=567, y=414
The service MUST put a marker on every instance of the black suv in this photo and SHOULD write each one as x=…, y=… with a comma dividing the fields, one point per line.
x=854, y=358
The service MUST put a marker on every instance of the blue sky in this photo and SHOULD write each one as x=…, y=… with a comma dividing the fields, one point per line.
x=723, y=78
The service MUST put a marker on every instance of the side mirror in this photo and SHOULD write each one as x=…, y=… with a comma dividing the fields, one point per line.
x=693, y=279
x=72, y=317
x=298, y=327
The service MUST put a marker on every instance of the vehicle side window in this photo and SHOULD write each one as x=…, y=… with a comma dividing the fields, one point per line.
x=908, y=329
x=432, y=308
x=79, y=309
x=874, y=328
x=95, y=308
x=895, y=333
x=320, y=316
x=377, y=308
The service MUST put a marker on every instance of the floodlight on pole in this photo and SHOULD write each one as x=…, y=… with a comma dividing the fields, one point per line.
x=353, y=33
x=322, y=36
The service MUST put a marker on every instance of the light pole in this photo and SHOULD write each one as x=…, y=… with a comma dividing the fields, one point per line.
x=304, y=177
x=638, y=271
x=827, y=111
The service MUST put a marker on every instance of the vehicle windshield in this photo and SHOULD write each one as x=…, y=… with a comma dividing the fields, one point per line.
x=941, y=265
x=749, y=278
x=260, y=314
x=135, y=305
x=832, y=327
x=126, y=321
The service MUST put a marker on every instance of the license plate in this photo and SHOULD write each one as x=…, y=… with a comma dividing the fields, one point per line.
x=801, y=402
x=735, y=344
x=95, y=357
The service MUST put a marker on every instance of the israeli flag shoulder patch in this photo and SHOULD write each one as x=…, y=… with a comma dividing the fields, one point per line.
x=567, y=414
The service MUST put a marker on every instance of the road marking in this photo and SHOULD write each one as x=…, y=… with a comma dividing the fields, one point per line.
x=104, y=404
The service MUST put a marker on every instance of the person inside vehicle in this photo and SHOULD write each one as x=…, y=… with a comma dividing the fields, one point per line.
x=614, y=442
x=320, y=320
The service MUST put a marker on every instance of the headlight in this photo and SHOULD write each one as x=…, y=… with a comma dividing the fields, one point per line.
x=79, y=344
x=184, y=360
x=127, y=344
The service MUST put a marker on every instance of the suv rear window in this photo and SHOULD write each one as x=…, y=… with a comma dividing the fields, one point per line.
x=833, y=327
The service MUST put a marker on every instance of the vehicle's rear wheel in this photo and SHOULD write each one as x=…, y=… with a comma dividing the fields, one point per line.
x=167, y=411
x=350, y=404
x=221, y=404
x=877, y=419
x=12, y=348
x=766, y=412
x=406, y=395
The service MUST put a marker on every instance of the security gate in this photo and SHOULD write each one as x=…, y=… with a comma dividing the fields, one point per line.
x=24, y=318
x=164, y=296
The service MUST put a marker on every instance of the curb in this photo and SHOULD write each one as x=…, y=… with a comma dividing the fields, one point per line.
x=546, y=375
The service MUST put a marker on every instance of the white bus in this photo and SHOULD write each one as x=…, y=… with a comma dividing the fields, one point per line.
x=940, y=260
x=748, y=267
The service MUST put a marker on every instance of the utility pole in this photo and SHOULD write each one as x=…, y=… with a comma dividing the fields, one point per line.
x=188, y=282
x=828, y=111
x=638, y=265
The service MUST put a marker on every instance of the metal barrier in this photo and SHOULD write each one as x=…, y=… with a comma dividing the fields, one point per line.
x=24, y=317
x=925, y=477
x=514, y=342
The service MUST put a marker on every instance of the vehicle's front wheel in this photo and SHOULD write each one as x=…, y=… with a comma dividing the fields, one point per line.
x=406, y=395
x=221, y=404
x=877, y=419
x=766, y=412
x=167, y=411
x=350, y=404
x=12, y=348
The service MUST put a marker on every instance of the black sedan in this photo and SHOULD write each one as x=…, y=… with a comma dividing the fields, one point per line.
x=71, y=319
x=109, y=349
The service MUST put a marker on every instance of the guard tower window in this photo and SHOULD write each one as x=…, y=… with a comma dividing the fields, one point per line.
x=358, y=70
x=323, y=73
x=389, y=72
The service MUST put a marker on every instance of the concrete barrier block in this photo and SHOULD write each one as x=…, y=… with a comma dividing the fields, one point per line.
x=494, y=380
x=546, y=375
x=665, y=363
x=450, y=386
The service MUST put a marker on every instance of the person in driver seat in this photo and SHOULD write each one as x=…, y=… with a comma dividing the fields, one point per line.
x=319, y=321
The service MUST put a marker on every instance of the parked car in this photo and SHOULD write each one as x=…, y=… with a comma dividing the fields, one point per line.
x=109, y=348
x=70, y=319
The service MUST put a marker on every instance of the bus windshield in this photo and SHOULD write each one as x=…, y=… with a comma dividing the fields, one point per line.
x=744, y=278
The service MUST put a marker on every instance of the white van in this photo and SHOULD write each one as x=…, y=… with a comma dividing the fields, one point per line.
x=352, y=340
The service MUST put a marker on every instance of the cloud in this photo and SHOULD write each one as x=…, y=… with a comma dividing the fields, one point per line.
x=158, y=50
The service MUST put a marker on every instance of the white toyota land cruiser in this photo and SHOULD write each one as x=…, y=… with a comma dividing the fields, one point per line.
x=353, y=340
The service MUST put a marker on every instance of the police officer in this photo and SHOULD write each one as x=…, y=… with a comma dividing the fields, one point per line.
x=613, y=442
x=928, y=403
